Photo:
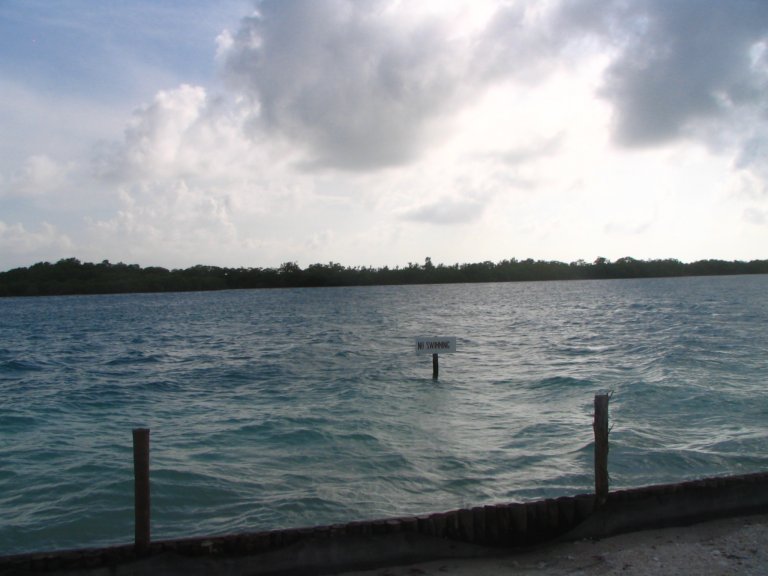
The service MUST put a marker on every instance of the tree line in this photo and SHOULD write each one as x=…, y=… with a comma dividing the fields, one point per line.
x=70, y=276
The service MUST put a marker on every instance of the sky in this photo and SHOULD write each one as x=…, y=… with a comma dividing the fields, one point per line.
x=382, y=132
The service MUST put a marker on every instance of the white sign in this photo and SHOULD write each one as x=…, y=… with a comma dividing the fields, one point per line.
x=435, y=345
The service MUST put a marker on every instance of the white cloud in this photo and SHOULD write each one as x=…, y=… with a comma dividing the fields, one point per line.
x=157, y=140
x=356, y=85
x=38, y=176
x=447, y=211
x=23, y=245
x=37, y=124
x=756, y=216
x=190, y=185
x=362, y=85
x=166, y=219
x=512, y=129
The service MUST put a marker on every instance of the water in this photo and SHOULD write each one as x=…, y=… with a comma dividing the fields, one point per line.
x=280, y=408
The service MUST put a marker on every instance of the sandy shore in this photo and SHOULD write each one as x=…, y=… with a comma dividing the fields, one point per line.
x=736, y=545
x=733, y=546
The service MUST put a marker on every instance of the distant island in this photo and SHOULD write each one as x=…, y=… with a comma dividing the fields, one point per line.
x=70, y=276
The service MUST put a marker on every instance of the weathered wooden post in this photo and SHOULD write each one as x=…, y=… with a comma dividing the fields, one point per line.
x=141, y=488
x=435, y=368
x=600, y=427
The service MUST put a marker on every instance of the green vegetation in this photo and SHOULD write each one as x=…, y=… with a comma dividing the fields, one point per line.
x=70, y=276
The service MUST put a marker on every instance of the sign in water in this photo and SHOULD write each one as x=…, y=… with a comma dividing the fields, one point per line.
x=435, y=346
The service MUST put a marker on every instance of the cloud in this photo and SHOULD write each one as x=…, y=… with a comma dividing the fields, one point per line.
x=756, y=216
x=48, y=124
x=186, y=137
x=334, y=118
x=359, y=85
x=37, y=176
x=753, y=152
x=363, y=85
x=447, y=211
x=25, y=245
x=187, y=182
x=157, y=140
x=684, y=69
x=520, y=156
x=167, y=217
x=684, y=64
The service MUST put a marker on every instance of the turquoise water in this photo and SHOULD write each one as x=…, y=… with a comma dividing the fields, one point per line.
x=280, y=408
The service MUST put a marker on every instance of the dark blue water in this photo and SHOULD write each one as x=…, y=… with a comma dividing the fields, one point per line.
x=280, y=408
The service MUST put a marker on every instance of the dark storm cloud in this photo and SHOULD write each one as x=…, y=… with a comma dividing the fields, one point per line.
x=356, y=84
x=677, y=65
x=363, y=84
x=685, y=63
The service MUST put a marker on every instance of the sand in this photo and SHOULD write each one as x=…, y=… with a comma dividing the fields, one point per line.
x=733, y=546
x=736, y=546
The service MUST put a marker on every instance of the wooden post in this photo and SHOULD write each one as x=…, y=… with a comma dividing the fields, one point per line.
x=434, y=366
x=600, y=427
x=141, y=487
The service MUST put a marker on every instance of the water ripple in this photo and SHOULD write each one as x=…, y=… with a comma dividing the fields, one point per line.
x=280, y=408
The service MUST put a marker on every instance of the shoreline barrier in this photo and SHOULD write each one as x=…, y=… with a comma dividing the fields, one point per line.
x=468, y=532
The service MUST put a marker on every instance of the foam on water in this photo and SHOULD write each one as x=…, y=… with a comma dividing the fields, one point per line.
x=280, y=408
